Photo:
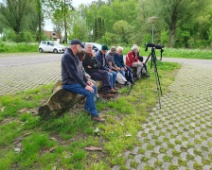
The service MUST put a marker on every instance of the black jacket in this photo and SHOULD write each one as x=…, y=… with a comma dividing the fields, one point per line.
x=72, y=72
x=92, y=62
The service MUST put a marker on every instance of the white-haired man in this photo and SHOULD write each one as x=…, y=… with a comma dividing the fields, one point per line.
x=95, y=70
x=132, y=60
x=119, y=61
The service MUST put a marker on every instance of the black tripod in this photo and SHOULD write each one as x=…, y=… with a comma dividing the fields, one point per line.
x=153, y=61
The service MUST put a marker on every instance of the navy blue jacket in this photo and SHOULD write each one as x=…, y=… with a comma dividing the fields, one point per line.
x=119, y=60
x=100, y=57
x=72, y=72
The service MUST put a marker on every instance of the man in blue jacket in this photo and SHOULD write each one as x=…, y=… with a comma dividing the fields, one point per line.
x=101, y=57
x=74, y=80
x=119, y=60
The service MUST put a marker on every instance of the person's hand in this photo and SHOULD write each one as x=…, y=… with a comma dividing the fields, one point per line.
x=123, y=68
x=89, y=66
x=89, y=88
x=110, y=70
x=93, y=53
x=118, y=68
x=90, y=83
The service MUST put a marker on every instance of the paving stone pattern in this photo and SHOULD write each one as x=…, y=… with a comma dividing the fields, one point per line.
x=18, y=78
x=178, y=136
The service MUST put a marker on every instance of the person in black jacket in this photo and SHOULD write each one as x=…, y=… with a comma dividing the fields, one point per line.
x=74, y=80
x=101, y=58
x=93, y=68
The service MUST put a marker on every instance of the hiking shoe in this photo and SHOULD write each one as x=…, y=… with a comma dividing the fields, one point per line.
x=108, y=96
x=132, y=82
x=113, y=91
x=98, y=119
x=145, y=75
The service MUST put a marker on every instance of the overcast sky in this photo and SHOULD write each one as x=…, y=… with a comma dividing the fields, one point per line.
x=75, y=3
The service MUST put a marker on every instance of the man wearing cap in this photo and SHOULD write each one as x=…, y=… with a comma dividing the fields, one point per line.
x=101, y=57
x=111, y=61
x=97, y=72
x=74, y=80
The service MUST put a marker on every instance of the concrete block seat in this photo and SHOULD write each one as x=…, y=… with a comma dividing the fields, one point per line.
x=61, y=100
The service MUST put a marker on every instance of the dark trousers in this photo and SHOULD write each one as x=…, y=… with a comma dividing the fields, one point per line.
x=101, y=75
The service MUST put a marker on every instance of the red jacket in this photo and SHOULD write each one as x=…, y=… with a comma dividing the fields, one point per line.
x=131, y=58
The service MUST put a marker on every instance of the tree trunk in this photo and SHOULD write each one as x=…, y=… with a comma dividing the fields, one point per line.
x=39, y=21
x=172, y=37
x=65, y=26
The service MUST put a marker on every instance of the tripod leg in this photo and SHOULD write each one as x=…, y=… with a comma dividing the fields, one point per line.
x=129, y=90
x=157, y=79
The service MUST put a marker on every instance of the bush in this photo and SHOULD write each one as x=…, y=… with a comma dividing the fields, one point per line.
x=18, y=47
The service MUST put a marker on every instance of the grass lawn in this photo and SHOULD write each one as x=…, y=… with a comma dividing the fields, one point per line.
x=29, y=142
x=6, y=47
x=177, y=53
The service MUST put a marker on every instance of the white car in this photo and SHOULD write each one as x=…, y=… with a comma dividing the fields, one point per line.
x=51, y=46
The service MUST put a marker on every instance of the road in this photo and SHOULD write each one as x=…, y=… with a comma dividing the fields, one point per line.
x=23, y=71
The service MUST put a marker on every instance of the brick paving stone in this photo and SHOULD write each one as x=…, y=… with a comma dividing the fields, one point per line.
x=183, y=123
x=19, y=78
x=117, y=167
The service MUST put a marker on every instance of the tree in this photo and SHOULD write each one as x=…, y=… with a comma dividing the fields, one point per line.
x=122, y=28
x=40, y=18
x=14, y=14
x=99, y=28
x=176, y=12
x=60, y=12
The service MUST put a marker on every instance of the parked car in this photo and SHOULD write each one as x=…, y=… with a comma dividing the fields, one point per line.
x=51, y=46
x=96, y=47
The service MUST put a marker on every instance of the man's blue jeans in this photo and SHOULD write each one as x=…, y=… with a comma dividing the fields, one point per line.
x=89, y=104
x=113, y=76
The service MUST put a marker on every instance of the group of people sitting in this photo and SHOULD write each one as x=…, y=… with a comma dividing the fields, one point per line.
x=81, y=67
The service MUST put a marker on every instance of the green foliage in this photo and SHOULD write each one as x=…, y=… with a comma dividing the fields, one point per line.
x=109, y=38
x=99, y=28
x=122, y=28
x=128, y=21
x=18, y=47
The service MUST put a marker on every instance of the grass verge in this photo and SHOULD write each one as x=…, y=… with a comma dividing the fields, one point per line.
x=29, y=142
x=18, y=47
x=177, y=53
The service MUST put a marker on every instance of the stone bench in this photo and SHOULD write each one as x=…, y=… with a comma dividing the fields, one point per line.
x=61, y=100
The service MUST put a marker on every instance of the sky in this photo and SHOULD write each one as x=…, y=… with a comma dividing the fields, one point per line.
x=48, y=24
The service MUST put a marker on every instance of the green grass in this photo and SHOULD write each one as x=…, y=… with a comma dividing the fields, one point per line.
x=176, y=53
x=6, y=47
x=61, y=140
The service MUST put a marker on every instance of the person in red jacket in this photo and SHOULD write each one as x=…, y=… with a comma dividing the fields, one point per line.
x=132, y=60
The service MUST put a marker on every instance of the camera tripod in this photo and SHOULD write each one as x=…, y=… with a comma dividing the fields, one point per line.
x=153, y=61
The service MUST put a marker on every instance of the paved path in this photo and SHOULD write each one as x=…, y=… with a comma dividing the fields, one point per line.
x=26, y=71
x=178, y=136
